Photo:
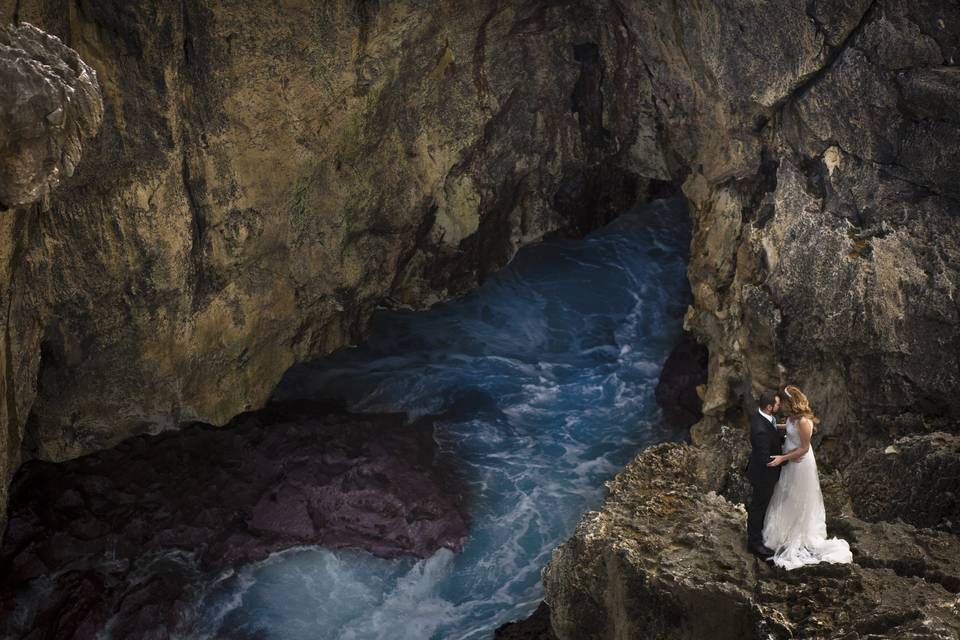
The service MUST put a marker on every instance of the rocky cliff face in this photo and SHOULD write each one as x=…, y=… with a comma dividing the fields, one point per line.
x=819, y=148
x=268, y=173
x=51, y=102
x=817, y=144
x=49, y=105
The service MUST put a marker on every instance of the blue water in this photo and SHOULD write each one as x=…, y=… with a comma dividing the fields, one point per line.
x=546, y=375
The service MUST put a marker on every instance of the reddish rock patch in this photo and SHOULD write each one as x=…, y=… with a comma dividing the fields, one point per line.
x=293, y=473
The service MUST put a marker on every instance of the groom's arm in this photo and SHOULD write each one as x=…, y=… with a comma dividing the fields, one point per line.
x=774, y=446
x=805, y=430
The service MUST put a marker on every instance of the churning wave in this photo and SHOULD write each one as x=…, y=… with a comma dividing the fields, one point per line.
x=544, y=378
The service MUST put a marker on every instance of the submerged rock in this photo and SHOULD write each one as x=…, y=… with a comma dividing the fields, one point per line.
x=666, y=557
x=98, y=533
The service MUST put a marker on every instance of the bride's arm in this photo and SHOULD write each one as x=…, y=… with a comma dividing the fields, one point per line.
x=805, y=429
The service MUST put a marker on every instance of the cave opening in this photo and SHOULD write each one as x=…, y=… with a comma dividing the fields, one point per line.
x=412, y=486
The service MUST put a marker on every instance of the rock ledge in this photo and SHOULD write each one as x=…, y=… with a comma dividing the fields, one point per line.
x=665, y=557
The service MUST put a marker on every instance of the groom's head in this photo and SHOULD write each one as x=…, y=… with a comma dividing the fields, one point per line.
x=769, y=402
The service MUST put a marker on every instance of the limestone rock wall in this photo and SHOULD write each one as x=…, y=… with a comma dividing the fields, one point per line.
x=267, y=173
x=50, y=103
x=819, y=148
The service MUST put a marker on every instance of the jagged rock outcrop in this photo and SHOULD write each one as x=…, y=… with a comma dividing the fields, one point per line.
x=665, y=558
x=814, y=140
x=267, y=174
x=49, y=105
x=833, y=260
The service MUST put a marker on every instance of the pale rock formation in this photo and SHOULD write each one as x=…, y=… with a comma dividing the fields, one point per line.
x=49, y=105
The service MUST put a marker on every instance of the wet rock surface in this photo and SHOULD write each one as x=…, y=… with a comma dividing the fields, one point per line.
x=666, y=557
x=535, y=627
x=97, y=533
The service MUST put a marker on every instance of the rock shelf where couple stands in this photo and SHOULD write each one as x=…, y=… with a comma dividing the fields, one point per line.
x=665, y=557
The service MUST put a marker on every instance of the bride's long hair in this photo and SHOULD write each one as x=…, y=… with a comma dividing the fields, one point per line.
x=799, y=406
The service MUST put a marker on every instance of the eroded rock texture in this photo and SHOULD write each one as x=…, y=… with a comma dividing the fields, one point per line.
x=826, y=251
x=927, y=490
x=665, y=558
x=268, y=173
x=50, y=103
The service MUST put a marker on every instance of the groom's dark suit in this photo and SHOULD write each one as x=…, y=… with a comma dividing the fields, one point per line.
x=765, y=441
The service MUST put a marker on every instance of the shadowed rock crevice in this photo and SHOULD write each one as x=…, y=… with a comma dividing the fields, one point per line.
x=682, y=382
x=834, y=49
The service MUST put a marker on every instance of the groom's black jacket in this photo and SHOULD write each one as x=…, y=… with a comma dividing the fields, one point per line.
x=765, y=441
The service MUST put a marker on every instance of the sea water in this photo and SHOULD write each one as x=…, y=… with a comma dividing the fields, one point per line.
x=545, y=378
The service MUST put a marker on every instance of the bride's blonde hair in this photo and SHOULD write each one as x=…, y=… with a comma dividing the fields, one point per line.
x=799, y=405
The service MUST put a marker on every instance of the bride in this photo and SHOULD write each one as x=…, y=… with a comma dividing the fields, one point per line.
x=795, y=525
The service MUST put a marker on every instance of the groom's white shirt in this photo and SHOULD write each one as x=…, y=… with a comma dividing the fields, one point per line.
x=767, y=416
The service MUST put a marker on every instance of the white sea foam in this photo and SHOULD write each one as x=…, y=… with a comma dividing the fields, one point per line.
x=545, y=380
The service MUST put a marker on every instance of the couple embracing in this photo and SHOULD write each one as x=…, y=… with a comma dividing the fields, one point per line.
x=786, y=521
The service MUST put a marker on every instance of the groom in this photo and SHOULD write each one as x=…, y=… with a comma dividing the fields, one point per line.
x=765, y=441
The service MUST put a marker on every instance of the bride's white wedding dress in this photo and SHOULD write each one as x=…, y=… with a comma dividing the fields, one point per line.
x=795, y=523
